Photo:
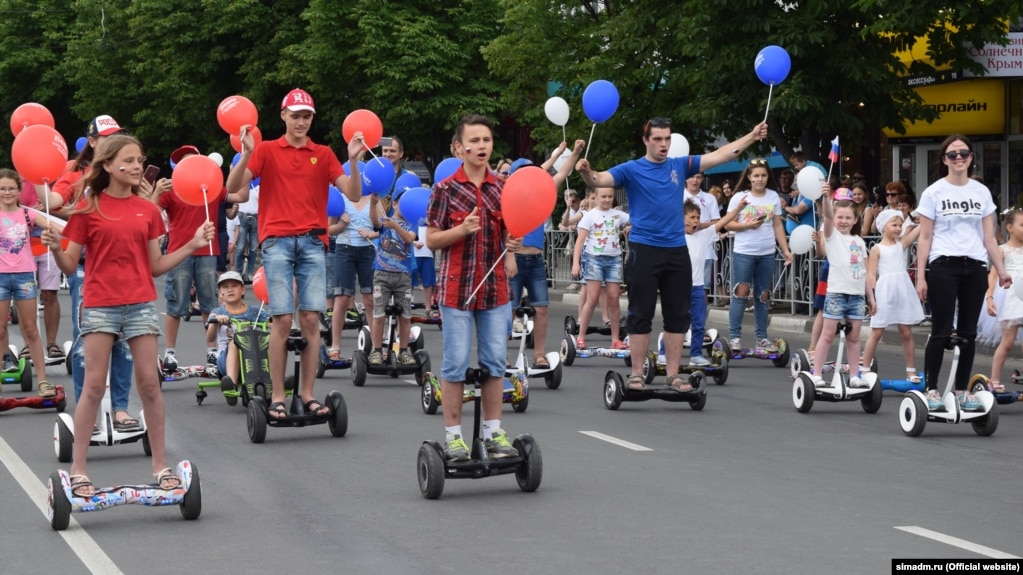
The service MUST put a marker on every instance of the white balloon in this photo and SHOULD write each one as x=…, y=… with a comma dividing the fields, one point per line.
x=679, y=146
x=562, y=159
x=217, y=159
x=801, y=238
x=809, y=181
x=556, y=109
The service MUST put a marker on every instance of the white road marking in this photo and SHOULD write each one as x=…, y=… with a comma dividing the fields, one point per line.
x=956, y=542
x=92, y=556
x=616, y=441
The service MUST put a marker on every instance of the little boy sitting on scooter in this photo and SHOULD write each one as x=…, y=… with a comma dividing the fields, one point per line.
x=392, y=276
x=220, y=328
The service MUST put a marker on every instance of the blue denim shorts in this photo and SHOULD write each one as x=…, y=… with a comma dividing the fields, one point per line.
x=349, y=261
x=491, y=340
x=603, y=269
x=292, y=260
x=128, y=321
x=532, y=275
x=200, y=270
x=18, y=286
x=845, y=306
x=424, y=273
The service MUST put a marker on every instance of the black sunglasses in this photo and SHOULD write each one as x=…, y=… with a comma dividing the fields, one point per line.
x=958, y=154
x=656, y=123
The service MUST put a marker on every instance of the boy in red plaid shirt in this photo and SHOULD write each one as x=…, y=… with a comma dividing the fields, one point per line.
x=464, y=223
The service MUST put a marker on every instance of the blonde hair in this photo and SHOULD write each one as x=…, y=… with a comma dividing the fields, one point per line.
x=98, y=180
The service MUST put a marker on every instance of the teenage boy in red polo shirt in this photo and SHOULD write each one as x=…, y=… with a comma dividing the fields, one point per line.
x=464, y=222
x=295, y=173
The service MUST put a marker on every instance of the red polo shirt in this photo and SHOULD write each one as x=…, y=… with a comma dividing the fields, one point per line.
x=293, y=186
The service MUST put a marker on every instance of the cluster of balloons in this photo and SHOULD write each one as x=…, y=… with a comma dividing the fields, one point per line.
x=39, y=152
x=808, y=181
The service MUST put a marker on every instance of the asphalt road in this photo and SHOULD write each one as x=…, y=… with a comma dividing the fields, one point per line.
x=747, y=485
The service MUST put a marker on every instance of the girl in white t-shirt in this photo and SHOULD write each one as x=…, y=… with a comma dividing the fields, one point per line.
x=757, y=228
x=847, y=283
x=956, y=239
x=600, y=232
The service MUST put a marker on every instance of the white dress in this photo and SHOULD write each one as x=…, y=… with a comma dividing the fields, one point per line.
x=897, y=301
x=1010, y=312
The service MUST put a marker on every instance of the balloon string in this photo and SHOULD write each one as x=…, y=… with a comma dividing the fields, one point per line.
x=587, y=154
x=770, y=89
x=205, y=202
x=490, y=271
x=46, y=200
x=564, y=135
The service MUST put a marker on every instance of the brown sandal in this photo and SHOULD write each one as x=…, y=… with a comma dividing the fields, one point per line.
x=166, y=479
x=636, y=382
x=540, y=362
x=679, y=384
x=82, y=482
x=46, y=389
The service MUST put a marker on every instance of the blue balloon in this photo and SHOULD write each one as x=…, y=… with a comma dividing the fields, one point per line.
x=413, y=204
x=335, y=203
x=348, y=168
x=405, y=182
x=253, y=183
x=772, y=65
x=236, y=159
x=80, y=144
x=600, y=100
x=378, y=176
x=444, y=169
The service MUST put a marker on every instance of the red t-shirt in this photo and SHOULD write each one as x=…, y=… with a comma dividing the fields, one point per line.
x=117, y=271
x=293, y=186
x=66, y=184
x=184, y=219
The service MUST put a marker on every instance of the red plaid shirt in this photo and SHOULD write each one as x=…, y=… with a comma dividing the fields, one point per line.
x=464, y=263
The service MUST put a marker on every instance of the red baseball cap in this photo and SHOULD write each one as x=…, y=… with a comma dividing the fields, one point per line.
x=183, y=151
x=297, y=100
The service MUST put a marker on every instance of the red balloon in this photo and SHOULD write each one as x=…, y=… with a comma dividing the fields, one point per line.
x=366, y=122
x=39, y=248
x=527, y=200
x=39, y=154
x=235, y=112
x=30, y=114
x=195, y=174
x=236, y=142
x=259, y=286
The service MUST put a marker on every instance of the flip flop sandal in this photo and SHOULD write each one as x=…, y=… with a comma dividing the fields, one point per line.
x=24, y=353
x=333, y=353
x=540, y=362
x=127, y=424
x=46, y=389
x=277, y=407
x=679, y=384
x=81, y=482
x=54, y=350
x=312, y=406
x=167, y=476
x=995, y=387
x=636, y=383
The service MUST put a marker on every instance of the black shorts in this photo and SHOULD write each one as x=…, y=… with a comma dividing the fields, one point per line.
x=667, y=271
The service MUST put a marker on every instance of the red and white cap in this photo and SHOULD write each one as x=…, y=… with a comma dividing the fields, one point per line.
x=103, y=126
x=298, y=100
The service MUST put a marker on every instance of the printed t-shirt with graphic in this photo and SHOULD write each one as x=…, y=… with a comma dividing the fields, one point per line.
x=654, y=192
x=393, y=253
x=15, y=251
x=604, y=228
x=117, y=271
x=958, y=213
x=759, y=241
x=847, y=263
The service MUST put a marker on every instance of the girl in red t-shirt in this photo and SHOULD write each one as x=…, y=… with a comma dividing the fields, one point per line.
x=120, y=230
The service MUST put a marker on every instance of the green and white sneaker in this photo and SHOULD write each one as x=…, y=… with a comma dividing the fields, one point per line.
x=498, y=446
x=456, y=449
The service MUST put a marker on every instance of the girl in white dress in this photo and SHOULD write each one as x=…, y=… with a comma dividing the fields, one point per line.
x=1010, y=311
x=897, y=302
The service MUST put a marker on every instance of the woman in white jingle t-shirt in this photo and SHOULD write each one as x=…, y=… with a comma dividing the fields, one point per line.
x=956, y=240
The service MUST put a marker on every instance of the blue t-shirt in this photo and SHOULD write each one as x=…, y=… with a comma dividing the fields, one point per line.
x=655, y=198
x=535, y=238
x=806, y=218
x=393, y=253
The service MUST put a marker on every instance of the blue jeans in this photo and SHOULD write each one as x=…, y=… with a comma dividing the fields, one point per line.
x=755, y=271
x=200, y=271
x=248, y=237
x=351, y=260
x=533, y=277
x=289, y=260
x=121, y=364
x=698, y=319
x=491, y=344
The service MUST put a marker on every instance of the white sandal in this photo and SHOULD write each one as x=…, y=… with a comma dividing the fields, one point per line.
x=912, y=376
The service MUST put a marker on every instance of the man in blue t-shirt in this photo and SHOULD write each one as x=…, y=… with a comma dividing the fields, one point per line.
x=658, y=261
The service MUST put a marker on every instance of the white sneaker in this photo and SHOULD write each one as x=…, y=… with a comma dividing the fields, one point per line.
x=170, y=361
x=698, y=360
x=767, y=345
x=818, y=381
x=517, y=326
x=735, y=343
x=857, y=382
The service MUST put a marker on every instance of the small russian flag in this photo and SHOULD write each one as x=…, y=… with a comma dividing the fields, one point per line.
x=833, y=154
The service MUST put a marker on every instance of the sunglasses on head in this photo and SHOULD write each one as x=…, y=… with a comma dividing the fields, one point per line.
x=657, y=123
x=958, y=154
x=758, y=162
